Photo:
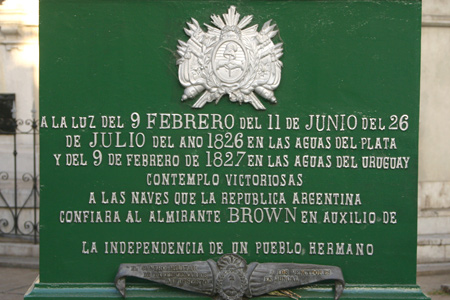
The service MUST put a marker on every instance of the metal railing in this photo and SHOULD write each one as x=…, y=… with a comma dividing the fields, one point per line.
x=13, y=221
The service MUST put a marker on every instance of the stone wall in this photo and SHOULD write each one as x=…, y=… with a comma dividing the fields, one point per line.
x=434, y=138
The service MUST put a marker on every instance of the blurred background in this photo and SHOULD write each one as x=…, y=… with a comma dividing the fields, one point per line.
x=19, y=148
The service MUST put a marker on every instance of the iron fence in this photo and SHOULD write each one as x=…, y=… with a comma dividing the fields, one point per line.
x=19, y=193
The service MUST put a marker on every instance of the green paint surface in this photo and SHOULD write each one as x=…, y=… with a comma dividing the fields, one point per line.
x=113, y=58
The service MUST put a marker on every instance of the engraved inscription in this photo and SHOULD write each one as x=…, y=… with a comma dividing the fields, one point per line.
x=224, y=152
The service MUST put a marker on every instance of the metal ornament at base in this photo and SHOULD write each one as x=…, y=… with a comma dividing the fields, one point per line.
x=231, y=278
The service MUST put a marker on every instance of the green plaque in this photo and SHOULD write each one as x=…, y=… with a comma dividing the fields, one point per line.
x=180, y=131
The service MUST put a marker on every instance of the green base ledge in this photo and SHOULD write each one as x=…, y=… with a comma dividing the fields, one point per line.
x=153, y=291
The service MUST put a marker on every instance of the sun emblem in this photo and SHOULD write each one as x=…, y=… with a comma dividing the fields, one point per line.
x=230, y=59
x=231, y=280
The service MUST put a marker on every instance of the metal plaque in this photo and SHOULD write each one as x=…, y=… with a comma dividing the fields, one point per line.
x=231, y=278
x=175, y=132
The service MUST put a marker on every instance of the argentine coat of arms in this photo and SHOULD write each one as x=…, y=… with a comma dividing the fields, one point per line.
x=230, y=59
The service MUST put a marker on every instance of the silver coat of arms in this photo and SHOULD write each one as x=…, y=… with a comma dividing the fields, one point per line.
x=230, y=59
